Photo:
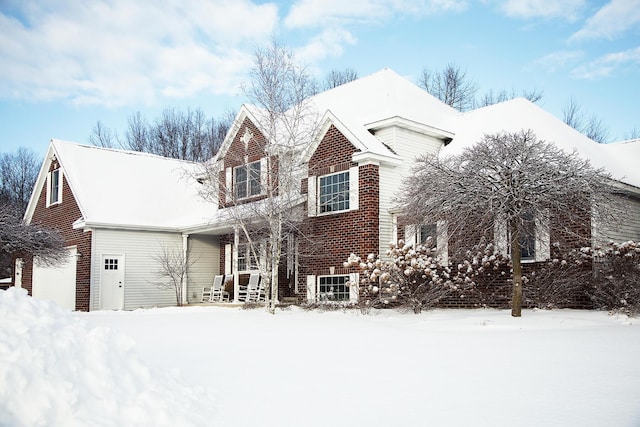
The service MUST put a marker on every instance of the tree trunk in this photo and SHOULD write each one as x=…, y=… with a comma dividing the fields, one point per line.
x=516, y=299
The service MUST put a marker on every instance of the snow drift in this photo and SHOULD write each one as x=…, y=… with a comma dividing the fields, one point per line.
x=56, y=370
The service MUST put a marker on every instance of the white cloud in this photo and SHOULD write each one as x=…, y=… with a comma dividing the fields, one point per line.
x=329, y=43
x=608, y=64
x=118, y=52
x=558, y=60
x=320, y=13
x=611, y=21
x=567, y=9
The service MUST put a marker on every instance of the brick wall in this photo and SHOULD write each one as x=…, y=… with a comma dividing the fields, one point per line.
x=62, y=216
x=239, y=154
x=331, y=238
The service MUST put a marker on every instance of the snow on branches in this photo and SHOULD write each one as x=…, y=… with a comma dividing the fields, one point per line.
x=418, y=278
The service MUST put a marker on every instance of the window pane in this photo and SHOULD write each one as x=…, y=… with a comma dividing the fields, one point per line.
x=427, y=231
x=254, y=179
x=55, y=186
x=334, y=192
x=333, y=288
x=241, y=181
x=528, y=238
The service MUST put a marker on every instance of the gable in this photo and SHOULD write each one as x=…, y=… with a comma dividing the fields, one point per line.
x=334, y=148
x=247, y=145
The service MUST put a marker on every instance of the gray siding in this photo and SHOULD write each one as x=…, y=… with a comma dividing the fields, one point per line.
x=141, y=269
x=628, y=228
x=204, y=252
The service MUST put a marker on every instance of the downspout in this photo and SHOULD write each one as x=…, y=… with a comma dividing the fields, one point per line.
x=185, y=255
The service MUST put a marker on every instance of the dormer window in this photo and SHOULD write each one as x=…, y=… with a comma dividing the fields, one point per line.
x=54, y=187
x=247, y=180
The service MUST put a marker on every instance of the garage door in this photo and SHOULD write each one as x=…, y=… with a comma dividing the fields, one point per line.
x=56, y=283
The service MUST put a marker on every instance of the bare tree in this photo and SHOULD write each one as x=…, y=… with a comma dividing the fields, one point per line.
x=592, y=126
x=102, y=136
x=173, y=267
x=262, y=200
x=18, y=173
x=451, y=86
x=336, y=78
x=492, y=97
x=17, y=238
x=504, y=186
x=634, y=134
x=187, y=135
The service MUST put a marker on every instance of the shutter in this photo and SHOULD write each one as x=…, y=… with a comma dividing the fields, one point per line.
x=228, y=185
x=48, y=189
x=311, y=288
x=353, y=289
x=410, y=235
x=443, y=241
x=60, y=184
x=228, y=255
x=312, y=202
x=543, y=251
x=353, y=188
x=501, y=245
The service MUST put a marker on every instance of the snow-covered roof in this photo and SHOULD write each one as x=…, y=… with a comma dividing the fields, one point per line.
x=619, y=159
x=361, y=104
x=132, y=189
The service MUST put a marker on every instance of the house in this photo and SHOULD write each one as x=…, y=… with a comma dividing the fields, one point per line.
x=338, y=172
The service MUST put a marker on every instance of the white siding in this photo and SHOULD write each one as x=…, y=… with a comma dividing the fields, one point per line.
x=409, y=145
x=389, y=184
x=628, y=228
x=204, y=251
x=141, y=269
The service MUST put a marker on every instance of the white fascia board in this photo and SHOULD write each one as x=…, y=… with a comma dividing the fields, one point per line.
x=411, y=125
x=366, y=157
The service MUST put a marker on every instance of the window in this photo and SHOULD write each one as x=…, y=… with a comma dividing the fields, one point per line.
x=528, y=238
x=427, y=231
x=111, y=264
x=533, y=238
x=420, y=234
x=333, y=288
x=246, y=258
x=54, y=187
x=334, y=192
x=247, y=180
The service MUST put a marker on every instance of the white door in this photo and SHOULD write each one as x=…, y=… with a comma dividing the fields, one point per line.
x=112, y=282
x=57, y=283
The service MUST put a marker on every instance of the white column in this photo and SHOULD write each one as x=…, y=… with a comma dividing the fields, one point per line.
x=185, y=254
x=234, y=265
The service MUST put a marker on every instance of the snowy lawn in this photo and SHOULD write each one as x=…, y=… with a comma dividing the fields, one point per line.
x=233, y=367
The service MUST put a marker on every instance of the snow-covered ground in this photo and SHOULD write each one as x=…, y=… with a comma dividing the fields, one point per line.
x=233, y=367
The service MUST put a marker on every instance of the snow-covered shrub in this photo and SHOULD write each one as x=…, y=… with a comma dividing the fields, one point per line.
x=412, y=277
x=616, y=276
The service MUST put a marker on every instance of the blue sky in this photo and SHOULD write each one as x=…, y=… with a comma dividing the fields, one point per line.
x=64, y=65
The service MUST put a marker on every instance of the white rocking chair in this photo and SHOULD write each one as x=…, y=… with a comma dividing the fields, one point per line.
x=252, y=290
x=218, y=294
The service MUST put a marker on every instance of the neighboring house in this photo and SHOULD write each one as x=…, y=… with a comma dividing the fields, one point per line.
x=117, y=209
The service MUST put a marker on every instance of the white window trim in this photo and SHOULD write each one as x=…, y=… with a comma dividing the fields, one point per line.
x=234, y=193
x=542, y=246
x=248, y=255
x=49, y=189
x=313, y=287
x=313, y=192
x=412, y=236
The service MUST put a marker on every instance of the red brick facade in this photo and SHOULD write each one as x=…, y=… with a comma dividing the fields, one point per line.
x=331, y=238
x=61, y=216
